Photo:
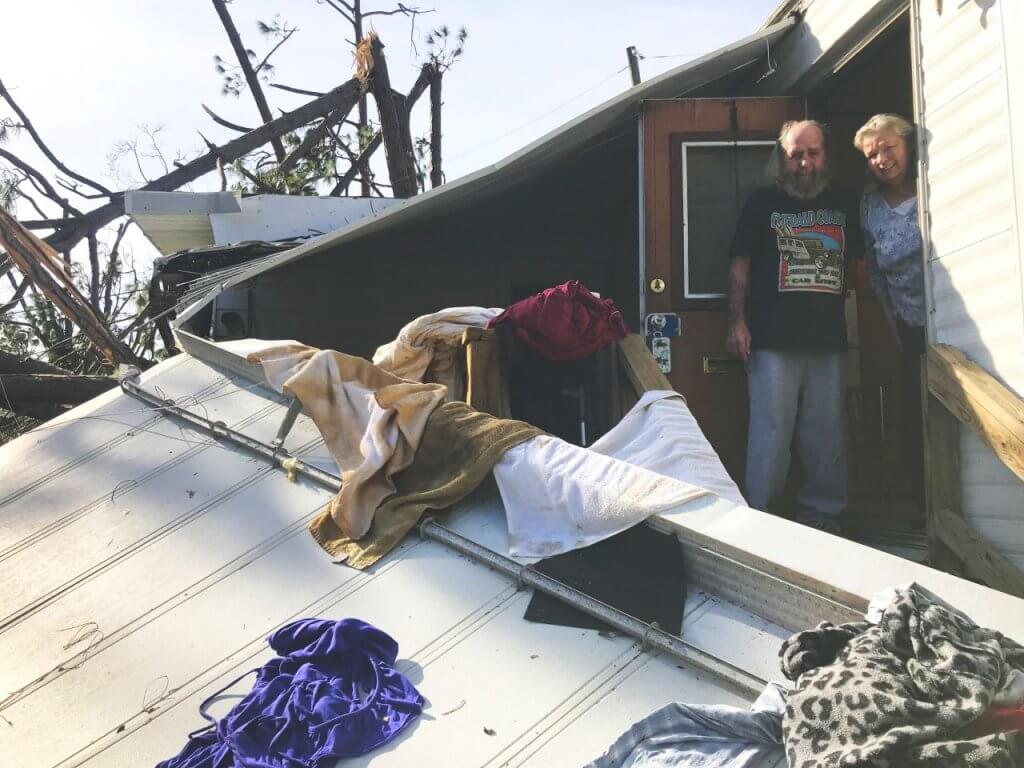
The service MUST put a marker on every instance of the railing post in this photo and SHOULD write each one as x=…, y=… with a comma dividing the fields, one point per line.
x=942, y=480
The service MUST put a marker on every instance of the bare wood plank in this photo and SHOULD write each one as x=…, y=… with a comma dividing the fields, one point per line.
x=638, y=363
x=942, y=477
x=980, y=401
x=998, y=572
x=486, y=387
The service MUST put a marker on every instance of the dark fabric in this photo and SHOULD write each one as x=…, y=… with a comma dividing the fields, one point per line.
x=807, y=651
x=996, y=720
x=457, y=452
x=798, y=251
x=332, y=691
x=639, y=571
x=899, y=693
x=566, y=322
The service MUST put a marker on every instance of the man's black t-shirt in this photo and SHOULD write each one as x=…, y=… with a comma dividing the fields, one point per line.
x=798, y=252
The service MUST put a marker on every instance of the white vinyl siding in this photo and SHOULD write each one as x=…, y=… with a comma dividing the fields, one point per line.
x=975, y=194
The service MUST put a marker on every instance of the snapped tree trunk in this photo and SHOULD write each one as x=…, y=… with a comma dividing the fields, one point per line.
x=436, y=176
x=394, y=125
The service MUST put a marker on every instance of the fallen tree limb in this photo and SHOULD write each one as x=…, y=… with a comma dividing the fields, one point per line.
x=46, y=270
x=54, y=388
x=66, y=238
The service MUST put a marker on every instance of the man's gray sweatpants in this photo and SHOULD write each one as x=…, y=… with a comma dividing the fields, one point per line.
x=797, y=393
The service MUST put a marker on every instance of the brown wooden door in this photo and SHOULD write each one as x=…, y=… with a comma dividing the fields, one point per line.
x=701, y=156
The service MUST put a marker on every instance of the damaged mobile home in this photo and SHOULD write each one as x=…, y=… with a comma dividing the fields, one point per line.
x=152, y=538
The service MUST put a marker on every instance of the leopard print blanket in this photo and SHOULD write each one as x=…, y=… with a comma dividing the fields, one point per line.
x=895, y=694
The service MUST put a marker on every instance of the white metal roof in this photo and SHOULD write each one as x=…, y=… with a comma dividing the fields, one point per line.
x=144, y=564
x=536, y=157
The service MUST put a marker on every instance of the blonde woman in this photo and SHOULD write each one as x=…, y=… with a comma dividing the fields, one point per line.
x=889, y=221
x=894, y=260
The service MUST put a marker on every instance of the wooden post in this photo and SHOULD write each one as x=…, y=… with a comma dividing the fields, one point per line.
x=634, y=64
x=942, y=482
x=436, y=176
x=639, y=366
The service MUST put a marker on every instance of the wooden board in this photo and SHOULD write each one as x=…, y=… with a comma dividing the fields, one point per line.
x=968, y=544
x=641, y=370
x=980, y=401
x=942, y=476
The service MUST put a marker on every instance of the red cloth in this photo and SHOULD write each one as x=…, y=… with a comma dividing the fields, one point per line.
x=996, y=720
x=566, y=322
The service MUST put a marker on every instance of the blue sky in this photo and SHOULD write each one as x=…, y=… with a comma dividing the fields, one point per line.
x=89, y=73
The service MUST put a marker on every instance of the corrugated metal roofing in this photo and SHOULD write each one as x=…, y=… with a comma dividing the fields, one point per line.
x=539, y=155
x=145, y=563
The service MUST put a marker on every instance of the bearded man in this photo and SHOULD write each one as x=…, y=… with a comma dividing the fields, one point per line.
x=787, y=323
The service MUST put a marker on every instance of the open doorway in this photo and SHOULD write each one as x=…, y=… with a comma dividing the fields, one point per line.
x=886, y=450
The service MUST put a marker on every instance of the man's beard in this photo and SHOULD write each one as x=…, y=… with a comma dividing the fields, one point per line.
x=804, y=187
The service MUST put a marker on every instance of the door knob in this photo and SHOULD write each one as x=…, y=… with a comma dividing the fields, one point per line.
x=657, y=285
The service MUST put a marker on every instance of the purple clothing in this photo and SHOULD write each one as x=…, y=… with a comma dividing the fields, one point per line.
x=332, y=691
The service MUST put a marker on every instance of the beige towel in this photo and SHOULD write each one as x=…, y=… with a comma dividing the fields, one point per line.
x=371, y=422
x=428, y=348
x=458, y=450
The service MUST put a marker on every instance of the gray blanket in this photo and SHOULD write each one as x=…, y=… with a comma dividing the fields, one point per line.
x=895, y=694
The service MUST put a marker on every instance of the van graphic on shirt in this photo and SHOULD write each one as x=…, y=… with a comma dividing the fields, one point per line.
x=810, y=258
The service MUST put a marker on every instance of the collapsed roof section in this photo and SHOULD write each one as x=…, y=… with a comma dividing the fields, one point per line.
x=597, y=125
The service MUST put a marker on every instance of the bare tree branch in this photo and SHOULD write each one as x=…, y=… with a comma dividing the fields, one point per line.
x=247, y=70
x=74, y=188
x=359, y=163
x=404, y=10
x=349, y=15
x=300, y=91
x=282, y=41
x=43, y=184
x=16, y=298
x=315, y=135
x=68, y=236
x=226, y=123
x=27, y=125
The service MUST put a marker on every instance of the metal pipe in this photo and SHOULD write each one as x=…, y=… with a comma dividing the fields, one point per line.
x=649, y=635
x=220, y=430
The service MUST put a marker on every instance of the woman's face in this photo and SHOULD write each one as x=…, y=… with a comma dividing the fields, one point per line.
x=886, y=153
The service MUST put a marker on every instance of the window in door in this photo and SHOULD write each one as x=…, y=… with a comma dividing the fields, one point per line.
x=717, y=178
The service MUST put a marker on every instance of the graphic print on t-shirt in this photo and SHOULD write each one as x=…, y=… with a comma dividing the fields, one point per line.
x=811, y=246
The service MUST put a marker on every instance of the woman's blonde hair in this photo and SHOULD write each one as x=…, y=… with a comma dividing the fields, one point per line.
x=883, y=122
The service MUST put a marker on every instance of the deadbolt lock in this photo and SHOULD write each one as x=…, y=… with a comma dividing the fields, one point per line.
x=657, y=285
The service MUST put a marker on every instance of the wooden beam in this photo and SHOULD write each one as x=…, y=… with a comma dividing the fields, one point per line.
x=638, y=363
x=993, y=568
x=980, y=401
x=942, y=482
